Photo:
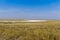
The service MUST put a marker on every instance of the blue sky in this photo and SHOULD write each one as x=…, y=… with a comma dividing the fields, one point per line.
x=30, y=9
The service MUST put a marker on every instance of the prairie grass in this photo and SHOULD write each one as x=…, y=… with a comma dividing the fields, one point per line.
x=49, y=30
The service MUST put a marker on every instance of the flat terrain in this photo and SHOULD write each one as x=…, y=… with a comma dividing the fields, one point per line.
x=49, y=30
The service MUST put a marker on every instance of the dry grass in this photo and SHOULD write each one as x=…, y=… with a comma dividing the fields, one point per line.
x=49, y=30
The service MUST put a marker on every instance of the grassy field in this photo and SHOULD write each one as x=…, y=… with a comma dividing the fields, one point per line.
x=49, y=30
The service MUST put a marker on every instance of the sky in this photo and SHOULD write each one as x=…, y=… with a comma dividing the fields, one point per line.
x=30, y=9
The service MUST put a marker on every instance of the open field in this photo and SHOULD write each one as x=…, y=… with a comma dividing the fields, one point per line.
x=49, y=30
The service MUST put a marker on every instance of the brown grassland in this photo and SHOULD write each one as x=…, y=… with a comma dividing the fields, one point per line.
x=49, y=30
